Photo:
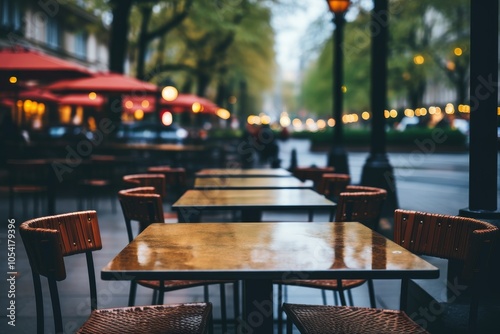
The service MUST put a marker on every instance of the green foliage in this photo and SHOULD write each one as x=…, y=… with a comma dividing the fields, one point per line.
x=428, y=28
x=225, y=133
x=361, y=137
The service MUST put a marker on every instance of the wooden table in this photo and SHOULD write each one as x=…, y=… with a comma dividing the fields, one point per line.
x=239, y=172
x=251, y=202
x=258, y=253
x=251, y=183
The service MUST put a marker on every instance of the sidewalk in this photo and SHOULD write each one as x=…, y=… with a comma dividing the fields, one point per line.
x=434, y=182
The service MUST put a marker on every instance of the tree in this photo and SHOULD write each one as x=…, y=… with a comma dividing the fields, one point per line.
x=171, y=14
x=119, y=31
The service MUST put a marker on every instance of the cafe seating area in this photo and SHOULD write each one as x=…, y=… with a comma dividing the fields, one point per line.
x=227, y=295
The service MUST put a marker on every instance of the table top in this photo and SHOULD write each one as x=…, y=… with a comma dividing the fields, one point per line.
x=239, y=172
x=253, y=198
x=264, y=251
x=251, y=183
x=156, y=147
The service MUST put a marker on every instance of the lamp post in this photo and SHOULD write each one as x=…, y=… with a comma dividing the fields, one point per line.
x=337, y=157
x=377, y=171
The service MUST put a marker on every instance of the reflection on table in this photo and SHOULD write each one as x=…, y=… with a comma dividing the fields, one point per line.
x=251, y=202
x=259, y=253
x=251, y=183
x=240, y=172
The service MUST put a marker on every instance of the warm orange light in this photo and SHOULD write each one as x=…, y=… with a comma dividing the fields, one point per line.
x=92, y=95
x=338, y=6
x=418, y=59
x=13, y=79
x=196, y=107
x=139, y=114
x=129, y=104
x=223, y=113
x=145, y=103
x=169, y=93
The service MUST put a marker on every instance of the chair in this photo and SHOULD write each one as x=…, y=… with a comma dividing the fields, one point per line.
x=143, y=205
x=465, y=241
x=98, y=177
x=147, y=180
x=356, y=203
x=28, y=177
x=311, y=173
x=152, y=180
x=332, y=184
x=49, y=239
x=175, y=180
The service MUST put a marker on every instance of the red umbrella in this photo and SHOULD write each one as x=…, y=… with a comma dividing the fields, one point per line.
x=183, y=102
x=105, y=83
x=83, y=100
x=38, y=95
x=25, y=64
x=192, y=102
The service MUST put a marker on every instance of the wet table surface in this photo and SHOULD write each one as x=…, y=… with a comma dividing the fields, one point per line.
x=258, y=253
x=240, y=172
x=251, y=183
x=251, y=202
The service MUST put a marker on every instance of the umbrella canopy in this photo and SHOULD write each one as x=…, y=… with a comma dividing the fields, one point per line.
x=25, y=64
x=83, y=100
x=193, y=102
x=105, y=83
x=38, y=95
x=183, y=102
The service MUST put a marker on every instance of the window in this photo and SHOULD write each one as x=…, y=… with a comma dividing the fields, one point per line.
x=10, y=14
x=81, y=45
x=52, y=33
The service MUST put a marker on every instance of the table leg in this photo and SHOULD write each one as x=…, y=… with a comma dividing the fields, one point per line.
x=257, y=307
x=251, y=215
x=188, y=215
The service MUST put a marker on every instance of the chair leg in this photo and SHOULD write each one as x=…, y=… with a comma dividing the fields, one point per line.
x=371, y=292
x=280, y=309
x=131, y=296
x=205, y=293
x=161, y=293
x=236, y=300
x=223, y=313
x=341, y=293
x=289, y=326
x=349, y=296
x=323, y=296
x=154, y=300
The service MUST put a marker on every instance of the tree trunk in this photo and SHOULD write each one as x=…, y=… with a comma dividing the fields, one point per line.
x=119, y=33
x=143, y=43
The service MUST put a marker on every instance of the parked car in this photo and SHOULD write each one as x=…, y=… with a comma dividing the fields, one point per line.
x=407, y=122
x=151, y=133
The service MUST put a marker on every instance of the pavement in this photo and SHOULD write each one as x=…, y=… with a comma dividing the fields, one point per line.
x=436, y=182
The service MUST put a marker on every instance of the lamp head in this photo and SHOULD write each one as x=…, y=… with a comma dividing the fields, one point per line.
x=338, y=6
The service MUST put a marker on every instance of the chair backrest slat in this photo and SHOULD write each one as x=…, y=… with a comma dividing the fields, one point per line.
x=362, y=204
x=147, y=180
x=47, y=241
x=141, y=204
x=449, y=237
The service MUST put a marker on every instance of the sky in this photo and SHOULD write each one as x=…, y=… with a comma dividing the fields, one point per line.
x=290, y=27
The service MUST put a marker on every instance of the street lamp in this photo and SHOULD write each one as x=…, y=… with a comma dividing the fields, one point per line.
x=338, y=157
